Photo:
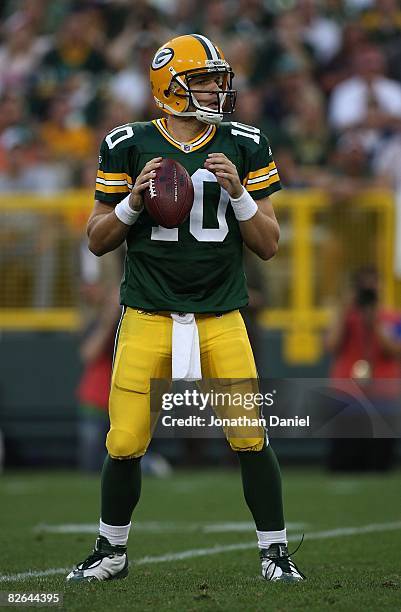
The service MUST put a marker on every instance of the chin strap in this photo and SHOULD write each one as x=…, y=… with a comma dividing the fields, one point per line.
x=209, y=118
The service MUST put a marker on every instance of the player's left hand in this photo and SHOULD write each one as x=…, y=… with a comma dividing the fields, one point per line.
x=225, y=172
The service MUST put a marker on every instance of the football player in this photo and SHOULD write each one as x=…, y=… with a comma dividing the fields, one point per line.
x=193, y=271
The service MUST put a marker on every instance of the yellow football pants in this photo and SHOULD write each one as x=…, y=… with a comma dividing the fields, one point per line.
x=144, y=352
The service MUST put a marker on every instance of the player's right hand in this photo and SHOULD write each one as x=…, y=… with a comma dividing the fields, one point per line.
x=142, y=182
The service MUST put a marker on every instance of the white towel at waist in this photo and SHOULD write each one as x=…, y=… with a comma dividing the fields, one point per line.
x=186, y=363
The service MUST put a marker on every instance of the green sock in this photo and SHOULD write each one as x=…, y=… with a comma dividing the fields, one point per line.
x=261, y=481
x=121, y=489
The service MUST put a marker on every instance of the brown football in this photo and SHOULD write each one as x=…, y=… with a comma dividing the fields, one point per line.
x=170, y=195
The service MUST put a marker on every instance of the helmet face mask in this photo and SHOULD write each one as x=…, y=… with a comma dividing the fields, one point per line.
x=225, y=95
x=180, y=61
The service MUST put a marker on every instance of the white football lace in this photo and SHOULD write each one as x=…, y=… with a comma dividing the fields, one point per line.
x=152, y=188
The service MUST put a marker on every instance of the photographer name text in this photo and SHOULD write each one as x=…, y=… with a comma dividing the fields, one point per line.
x=242, y=421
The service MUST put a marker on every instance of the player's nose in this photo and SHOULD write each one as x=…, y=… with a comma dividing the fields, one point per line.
x=214, y=86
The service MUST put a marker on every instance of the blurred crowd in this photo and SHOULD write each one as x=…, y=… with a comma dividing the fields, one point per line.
x=321, y=78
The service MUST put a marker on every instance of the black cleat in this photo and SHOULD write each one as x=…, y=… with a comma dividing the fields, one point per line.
x=277, y=564
x=106, y=562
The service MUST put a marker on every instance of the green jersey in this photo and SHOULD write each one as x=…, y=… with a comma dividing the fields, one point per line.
x=196, y=267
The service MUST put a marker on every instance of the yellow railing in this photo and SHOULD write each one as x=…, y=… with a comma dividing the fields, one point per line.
x=321, y=243
x=36, y=233
x=302, y=319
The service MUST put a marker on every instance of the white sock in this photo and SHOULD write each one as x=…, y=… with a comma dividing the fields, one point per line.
x=117, y=535
x=265, y=538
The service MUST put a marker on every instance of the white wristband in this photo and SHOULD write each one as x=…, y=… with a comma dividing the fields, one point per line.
x=125, y=213
x=244, y=207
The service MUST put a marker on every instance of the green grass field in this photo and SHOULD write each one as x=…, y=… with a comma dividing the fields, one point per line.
x=193, y=547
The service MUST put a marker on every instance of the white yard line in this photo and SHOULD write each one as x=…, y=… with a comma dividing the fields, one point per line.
x=161, y=527
x=214, y=550
x=242, y=527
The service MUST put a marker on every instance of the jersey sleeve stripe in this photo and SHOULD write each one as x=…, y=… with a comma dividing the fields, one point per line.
x=269, y=174
x=274, y=179
x=262, y=184
x=255, y=173
x=260, y=179
x=112, y=188
x=103, y=182
x=113, y=179
x=271, y=168
x=260, y=172
x=265, y=177
x=114, y=176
